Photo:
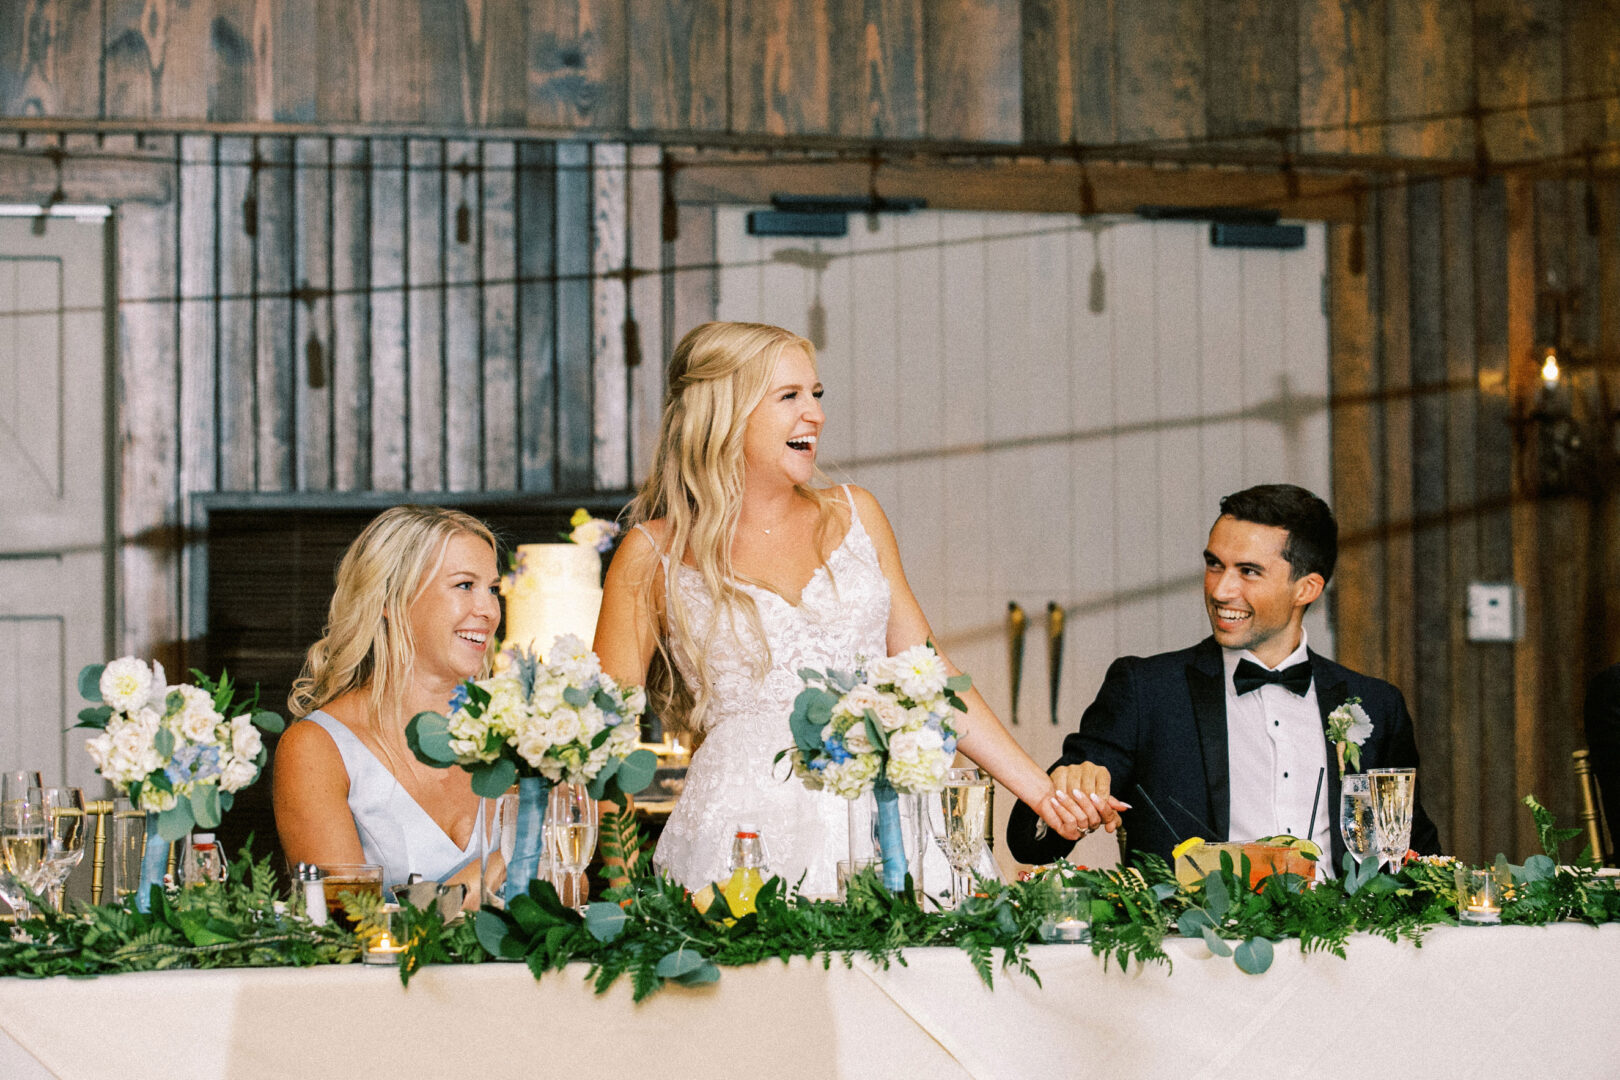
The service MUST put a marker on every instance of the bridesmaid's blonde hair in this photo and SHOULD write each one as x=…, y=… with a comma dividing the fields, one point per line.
x=367, y=640
x=718, y=375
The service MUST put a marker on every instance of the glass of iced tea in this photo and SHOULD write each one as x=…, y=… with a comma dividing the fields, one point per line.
x=343, y=878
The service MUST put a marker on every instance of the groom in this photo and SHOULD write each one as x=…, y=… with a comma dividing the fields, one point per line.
x=1226, y=740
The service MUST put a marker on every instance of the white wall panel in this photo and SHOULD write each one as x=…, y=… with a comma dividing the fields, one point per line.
x=1028, y=447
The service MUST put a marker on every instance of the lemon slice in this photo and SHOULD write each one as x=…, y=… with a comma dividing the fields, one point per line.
x=1185, y=846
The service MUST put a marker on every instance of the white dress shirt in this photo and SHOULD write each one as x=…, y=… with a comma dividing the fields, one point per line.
x=1275, y=752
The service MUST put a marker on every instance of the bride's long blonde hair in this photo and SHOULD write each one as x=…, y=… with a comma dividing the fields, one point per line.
x=718, y=375
x=367, y=640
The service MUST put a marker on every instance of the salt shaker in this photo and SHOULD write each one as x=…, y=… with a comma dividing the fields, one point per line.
x=314, y=882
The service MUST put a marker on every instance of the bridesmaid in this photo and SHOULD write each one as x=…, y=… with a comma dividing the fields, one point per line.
x=412, y=617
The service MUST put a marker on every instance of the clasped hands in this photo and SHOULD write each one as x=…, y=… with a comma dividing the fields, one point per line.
x=1080, y=802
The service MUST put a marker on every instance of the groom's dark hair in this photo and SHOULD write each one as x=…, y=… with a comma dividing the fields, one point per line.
x=1313, y=534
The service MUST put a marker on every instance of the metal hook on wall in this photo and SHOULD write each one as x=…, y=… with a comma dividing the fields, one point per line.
x=1054, y=653
x=1017, y=623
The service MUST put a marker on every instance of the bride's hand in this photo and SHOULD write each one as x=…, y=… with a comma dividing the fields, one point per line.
x=1062, y=812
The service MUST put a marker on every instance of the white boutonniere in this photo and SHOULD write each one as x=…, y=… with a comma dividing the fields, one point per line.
x=1348, y=727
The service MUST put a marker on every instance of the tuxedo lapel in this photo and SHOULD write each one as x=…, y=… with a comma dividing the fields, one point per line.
x=1330, y=694
x=1206, y=683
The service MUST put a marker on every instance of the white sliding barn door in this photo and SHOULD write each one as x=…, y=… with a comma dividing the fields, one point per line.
x=53, y=546
x=1050, y=412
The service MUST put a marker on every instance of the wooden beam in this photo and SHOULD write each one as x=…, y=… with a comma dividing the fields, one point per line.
x=1023, y=186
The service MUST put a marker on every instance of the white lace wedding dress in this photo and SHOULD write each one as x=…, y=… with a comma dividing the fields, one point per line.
x=842, y=616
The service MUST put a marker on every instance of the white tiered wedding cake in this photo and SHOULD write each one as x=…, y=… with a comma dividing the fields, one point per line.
x=554, y=589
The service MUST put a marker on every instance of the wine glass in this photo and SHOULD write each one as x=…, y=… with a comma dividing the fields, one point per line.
x=959, y=819
x=1393, y=792
x=571, y=833
x=14, y=786
x=1356, y=816
x=22, y=852
x=62, y=810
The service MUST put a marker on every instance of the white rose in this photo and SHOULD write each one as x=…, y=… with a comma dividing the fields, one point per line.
x=245, y=741
x=891, y=714
x=531, y=744
x=917, y=760
x=858, y=700
x=238, y=774
x=856, y=740
x=127, y=684
x=196, y=717
x=153, y=799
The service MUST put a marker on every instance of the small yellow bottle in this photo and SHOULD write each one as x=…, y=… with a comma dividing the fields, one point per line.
x=747, y=871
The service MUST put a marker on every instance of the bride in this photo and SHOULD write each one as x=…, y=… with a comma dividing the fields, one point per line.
x=738, y=574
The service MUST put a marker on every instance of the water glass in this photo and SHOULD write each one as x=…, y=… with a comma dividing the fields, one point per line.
x=571, y=834
x=63, y=812
x=1356, y=816
x=125, y=848
x=1393, y=797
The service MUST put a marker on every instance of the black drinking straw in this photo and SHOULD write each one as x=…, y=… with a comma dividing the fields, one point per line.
x=1154, y=807
x=1316, y=799
x=1196, y=820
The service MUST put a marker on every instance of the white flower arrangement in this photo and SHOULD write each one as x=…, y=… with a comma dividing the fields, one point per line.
x=888, y=722
x=175, y=750
x=1348, y=727
x=565, y=721
x=594, y=532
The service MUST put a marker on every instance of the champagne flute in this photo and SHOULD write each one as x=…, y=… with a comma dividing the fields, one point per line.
x=571, y=833
x=1393, y=796
x=960, y=821
x=62, y=809
x=14, y=787
x=22, y=852
x=1356, y=816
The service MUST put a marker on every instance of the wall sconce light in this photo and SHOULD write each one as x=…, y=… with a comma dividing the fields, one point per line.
x=1574, y=423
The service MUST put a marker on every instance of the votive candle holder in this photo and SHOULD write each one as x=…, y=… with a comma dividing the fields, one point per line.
x=1479, y=896
x=384, y=946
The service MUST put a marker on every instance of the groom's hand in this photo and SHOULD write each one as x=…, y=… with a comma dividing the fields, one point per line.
x=1086, y=787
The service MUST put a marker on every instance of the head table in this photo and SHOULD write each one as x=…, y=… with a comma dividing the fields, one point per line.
x=1474, y=1002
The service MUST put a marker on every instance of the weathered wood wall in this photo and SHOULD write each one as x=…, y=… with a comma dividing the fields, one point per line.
x=1325, y=76
x=486, y=363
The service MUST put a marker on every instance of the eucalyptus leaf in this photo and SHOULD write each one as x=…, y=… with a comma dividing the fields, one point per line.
x=636, y=771
x=605, y=702
x=90, y=682
x=428, y=736
x=265, y=720
x=682, y=961
x=1216, y=897
x=492, y=931
x=1193, y=922
x=959, y=684
x=809, y=675
x=598, y=786
x=1539, y=868
x=163, y=743
x=1163, y=891
x=95, y=717
x=1213, y=940
x=576, y=697
x=842, y=681
x=1253, y=956
x=226, y=798
x=601, y=737
x=490, y=781
x=605, y=921
x=700, y=976
x=205, y=805
x=177, y=822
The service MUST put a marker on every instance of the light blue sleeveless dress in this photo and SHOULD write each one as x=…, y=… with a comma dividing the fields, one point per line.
x=395, y=832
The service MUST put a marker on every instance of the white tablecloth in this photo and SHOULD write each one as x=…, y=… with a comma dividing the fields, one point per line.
x=1476, y=1002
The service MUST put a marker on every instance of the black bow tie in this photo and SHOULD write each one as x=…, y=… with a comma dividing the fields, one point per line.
x=1251, y=676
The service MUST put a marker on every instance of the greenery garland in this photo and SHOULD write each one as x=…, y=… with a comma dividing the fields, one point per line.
x=650, y=930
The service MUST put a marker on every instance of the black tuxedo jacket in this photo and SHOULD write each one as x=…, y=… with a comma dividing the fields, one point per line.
x=1159, y=724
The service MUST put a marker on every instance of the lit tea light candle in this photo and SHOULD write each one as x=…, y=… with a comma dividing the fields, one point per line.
x=385, y=947
x=1549, y=369
x=1478, y=896
x=1070, y=929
